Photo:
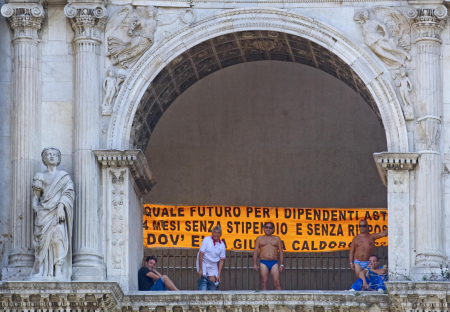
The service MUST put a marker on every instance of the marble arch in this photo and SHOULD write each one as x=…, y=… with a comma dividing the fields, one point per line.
x=378, y=90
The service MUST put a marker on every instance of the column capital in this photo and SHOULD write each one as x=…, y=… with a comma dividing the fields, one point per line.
x=394, y=161
x=143, y=179
x=25, y=18
x=88, y=19
x=428, y=23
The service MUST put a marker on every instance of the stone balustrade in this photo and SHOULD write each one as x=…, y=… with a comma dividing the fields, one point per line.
x=107, y=296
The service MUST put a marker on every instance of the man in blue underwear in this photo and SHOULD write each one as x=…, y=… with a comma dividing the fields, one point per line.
x=372, y=278
x=363, y=246
x=269, y=247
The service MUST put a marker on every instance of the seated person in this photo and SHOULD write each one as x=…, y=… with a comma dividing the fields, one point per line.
x=372, y=278
x=151, y=280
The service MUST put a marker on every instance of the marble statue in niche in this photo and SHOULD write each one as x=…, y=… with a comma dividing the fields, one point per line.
x=386, y=33
x=53, y=200
x=132, y=32
x=111, y=86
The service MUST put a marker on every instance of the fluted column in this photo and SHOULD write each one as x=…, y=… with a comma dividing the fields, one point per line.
x=25, y=20
x=88, y=22
x=428, y=25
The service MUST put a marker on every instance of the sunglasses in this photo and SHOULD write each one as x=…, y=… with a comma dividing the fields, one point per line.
x=268, y=227
x=363, y=225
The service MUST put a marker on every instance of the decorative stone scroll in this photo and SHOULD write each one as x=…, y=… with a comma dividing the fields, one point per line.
x=142, y=177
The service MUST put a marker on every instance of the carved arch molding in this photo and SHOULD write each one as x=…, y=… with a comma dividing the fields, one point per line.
x=231, y=49
x=170, y=67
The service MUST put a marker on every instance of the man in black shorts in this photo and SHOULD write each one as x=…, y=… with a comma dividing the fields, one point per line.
x=151, y=280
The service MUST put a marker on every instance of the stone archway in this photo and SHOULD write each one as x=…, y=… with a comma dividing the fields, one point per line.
x=257, y=34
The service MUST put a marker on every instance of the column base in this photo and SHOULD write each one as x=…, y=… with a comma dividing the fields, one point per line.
x=20, y=265
x=88, y=266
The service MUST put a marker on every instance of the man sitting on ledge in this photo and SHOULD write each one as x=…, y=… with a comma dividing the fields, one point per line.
x=151, y=280
x=371, y=278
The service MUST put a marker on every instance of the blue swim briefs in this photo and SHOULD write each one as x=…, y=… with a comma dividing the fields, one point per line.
x=363, y=264
x=269, y=263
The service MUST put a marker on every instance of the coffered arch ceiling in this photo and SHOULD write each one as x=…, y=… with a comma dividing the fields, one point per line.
x=231, y=49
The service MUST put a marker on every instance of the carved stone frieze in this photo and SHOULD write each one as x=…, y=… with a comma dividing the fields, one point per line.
x=142, y=177
x=88, y=19
x=387, y=33
x=130, y=32
x=394, y=161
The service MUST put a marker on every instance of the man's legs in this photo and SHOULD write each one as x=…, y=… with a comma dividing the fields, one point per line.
x=276, y=276
x=168, y=282
x=358, y=269
x=264, y=272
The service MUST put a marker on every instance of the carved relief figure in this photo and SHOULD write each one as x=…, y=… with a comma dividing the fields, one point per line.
x=386, y=33
x=53, y=206
x=111, y=86
x=134, y=31
x=404, y=84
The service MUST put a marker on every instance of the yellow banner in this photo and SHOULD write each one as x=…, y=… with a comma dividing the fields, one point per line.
x=300, y=229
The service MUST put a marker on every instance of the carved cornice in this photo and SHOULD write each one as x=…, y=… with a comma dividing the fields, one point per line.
x=428, y=23
x=88, y=20
x=25, y=19
x=143, y=179
x=394, y=161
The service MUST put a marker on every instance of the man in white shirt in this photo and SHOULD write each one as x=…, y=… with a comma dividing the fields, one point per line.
x=210, y=260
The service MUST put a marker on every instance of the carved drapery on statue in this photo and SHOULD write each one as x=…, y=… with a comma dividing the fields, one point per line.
x=53, y=206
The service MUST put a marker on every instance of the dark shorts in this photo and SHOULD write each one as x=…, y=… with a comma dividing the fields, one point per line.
x=159, y=285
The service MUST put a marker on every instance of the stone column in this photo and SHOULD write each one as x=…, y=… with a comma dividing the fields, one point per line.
x=25, y=20
x=428, y=25
x=88, y=22
x=394, y=170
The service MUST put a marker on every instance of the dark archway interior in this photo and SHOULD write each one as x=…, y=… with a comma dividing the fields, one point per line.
x=268, y=134
x=227, y=50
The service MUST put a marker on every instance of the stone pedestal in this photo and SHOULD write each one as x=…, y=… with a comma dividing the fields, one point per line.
x=25, y=20
x=88, y=21
x=394, y=169
x=126, y=178
x=428, y=25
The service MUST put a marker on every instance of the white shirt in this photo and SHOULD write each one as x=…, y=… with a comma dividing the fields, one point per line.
x=213, y=252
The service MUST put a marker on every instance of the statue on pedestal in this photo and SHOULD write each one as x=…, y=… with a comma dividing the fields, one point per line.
x=53, y=207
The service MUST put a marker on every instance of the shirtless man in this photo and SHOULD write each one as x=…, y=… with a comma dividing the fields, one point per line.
x=363, y=246
x=269, y=246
